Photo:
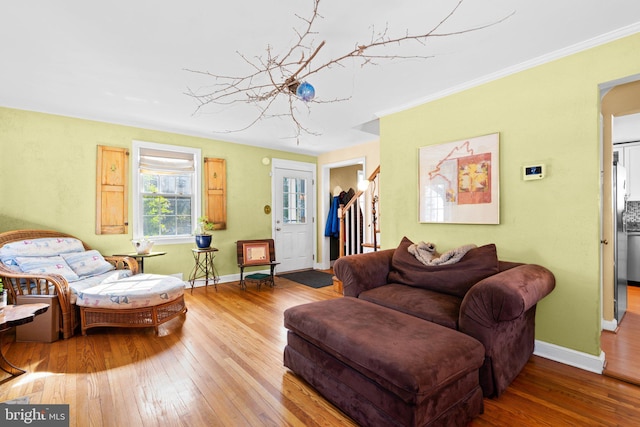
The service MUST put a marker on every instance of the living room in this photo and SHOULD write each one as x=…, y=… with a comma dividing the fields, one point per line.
x=546, y=111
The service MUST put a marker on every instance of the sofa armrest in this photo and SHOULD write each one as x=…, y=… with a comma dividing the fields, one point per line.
x=499, y=311
x=363, y=271
x=34, y=284
x=18, y=283
x=123, y=263
x=506, y=296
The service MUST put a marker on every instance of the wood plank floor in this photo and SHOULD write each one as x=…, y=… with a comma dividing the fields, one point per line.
x=221, y=365
x=622, y=348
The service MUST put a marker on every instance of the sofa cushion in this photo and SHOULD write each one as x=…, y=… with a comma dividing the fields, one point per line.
x=87, y=263
x=433, y=306
x=47, y=265
x=140, y=290
x=453, y=279
x=42, y=247
x=79, y=286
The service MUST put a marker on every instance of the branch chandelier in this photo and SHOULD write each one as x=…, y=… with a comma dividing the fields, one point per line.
x=287, y=76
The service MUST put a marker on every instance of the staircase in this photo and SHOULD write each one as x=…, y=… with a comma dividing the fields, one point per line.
x=359, y=220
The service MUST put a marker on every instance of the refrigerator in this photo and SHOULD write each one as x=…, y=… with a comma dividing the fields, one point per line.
x=620, y=240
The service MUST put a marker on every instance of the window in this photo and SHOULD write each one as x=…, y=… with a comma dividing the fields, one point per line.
x=166, y=192
x=294, y=200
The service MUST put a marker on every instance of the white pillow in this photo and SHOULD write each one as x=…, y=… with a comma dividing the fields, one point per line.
x=87, y=263
x=42, y=247
x=47, y=265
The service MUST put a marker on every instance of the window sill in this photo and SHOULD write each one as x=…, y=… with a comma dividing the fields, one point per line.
x=170, y=240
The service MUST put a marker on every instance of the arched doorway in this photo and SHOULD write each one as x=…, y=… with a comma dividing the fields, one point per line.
x=618, y=99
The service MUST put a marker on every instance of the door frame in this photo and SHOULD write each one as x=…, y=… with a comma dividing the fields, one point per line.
x=325, y=205
x=313, y=195
x=606, y=203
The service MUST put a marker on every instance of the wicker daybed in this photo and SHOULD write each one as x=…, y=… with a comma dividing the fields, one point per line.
x=18, y=282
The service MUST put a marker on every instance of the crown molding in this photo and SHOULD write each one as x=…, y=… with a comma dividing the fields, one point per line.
x=540, y=60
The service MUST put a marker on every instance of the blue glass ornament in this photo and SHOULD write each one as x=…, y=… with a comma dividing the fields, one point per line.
x=305, y=91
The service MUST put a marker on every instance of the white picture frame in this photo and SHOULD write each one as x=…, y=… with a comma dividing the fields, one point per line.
x=459, y=182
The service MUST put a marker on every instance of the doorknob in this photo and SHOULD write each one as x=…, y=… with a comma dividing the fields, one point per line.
x=278, y=228
x=604, y=242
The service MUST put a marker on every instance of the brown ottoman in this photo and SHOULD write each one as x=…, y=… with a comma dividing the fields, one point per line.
x=383, y=367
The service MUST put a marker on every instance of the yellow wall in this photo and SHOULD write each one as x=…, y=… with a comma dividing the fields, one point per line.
x=346, y=177
x=547, y=114
x=47, y=181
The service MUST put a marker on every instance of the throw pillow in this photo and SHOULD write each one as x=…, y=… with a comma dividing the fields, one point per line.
x=453, y=279
x=47, y=265
x=42, y=247
x=87, y=263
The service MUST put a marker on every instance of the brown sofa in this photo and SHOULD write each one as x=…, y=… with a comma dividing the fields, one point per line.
x=490, y=300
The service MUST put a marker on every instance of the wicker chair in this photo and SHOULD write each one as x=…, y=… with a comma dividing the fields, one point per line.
x=18, y=283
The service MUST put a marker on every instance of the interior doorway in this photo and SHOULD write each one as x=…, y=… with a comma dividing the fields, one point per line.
x=344, y=175
x=618, y=99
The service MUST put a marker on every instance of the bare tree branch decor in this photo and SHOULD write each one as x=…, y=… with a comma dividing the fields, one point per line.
x=275, y=76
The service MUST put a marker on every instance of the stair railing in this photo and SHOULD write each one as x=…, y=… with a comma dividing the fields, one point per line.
x=358, y=225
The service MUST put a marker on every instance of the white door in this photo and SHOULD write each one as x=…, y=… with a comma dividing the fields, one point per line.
x=294, y=212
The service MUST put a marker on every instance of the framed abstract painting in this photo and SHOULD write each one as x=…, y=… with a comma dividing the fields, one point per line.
x=459, y=181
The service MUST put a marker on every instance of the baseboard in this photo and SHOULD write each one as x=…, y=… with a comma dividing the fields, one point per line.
x=577, y=359
x=224, y=279
x=609, y=325
x=322, y=265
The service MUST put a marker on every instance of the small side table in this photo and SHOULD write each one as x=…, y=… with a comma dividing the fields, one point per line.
x=140, y=257
x=15, y=315
x=204, y=266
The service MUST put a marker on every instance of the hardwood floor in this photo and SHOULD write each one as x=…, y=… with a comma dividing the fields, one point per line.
x=221, y=365
x=622, y=348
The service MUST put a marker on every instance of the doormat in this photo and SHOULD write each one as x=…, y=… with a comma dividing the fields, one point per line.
x=313, y=278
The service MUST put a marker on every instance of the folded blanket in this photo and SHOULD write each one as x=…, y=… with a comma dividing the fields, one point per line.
x=426, y=253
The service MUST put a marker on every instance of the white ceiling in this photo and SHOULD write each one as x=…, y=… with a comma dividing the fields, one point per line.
x=125, y=61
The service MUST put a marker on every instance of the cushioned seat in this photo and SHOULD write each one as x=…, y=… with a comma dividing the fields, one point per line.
x=138, y=301
x=383, y=367
x=141, y=290
x=89, y=282
x=433, y=306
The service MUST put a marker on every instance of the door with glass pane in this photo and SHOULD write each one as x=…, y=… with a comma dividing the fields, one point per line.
x=294, y=219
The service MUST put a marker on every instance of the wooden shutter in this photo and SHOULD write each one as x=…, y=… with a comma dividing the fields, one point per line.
x=111, y=190
x=215, y=184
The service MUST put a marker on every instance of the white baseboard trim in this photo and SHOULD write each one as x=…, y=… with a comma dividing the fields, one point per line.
x=609, y=325
x=322, y=265
x=223, y=279
x=577, y=359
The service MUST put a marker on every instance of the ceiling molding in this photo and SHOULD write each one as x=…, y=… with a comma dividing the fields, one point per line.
x=555, y=55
